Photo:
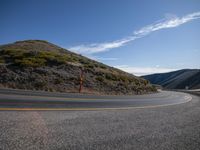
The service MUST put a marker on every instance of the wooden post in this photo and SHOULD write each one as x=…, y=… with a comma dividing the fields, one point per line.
x=81, y=80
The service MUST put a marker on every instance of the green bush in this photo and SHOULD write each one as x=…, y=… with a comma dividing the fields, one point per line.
x=101, y=79
x=123, y=78
x=102, y=66
x=84, y=61
x=31, y=62
x=1, y=60
x=90, y=66
x=40, y=84
x=110, y=76
x=96, y=65
x=53, y=57
x=13, y=53
x=35, y=58
x=58, y=81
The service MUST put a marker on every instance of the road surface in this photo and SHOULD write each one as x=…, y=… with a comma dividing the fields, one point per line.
x=25, y=100
x=170, y=127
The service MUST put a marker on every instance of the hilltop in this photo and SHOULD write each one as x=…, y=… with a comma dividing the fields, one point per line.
x=177, y=79
x=40, y=65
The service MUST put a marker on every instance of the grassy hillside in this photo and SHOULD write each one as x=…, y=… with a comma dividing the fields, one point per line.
x=177, y=79
x=40, y=65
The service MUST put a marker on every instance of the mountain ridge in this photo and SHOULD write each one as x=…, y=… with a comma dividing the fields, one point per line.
x=180, y=79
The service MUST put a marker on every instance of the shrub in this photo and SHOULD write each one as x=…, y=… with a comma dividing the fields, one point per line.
x=13, y=53
x=35, y=58
x=110, y=76
x=146, y=82
x=90, y=66
x=1, y=60
x=101, y=79
x=40, y=84
x=58, y=81
x=52, y=57
x=123, y=78
x=102, y=66
x=96, y=65
x=84, y=61
x=31, y=62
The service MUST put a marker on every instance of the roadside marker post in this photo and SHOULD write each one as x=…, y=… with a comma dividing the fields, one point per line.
x=81, y=80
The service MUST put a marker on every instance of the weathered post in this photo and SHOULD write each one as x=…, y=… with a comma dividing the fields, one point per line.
x=81, y=80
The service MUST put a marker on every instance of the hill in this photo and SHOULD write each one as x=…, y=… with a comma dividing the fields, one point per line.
x=40, y=65
x=177, y=79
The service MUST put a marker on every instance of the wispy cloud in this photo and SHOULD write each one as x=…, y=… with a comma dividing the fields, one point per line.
x=139, y=71
x=169, y=22
x=106, y=58
x=100, y=47
x=97, y=58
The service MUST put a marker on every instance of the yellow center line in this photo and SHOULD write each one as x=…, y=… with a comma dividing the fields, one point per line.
x=68, y=98
x=189, y=98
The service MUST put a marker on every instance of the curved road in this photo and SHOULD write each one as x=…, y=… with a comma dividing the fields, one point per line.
x=175, y=127
x=29, y=100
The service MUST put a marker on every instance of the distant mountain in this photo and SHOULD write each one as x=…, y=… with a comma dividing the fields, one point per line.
x=177, y=79
x=40, y=65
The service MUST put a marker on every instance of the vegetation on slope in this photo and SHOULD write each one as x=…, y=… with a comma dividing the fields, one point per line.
x=39, y=65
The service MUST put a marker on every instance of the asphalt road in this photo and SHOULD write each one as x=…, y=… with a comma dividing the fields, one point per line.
x=173, y=127
x=21, y=100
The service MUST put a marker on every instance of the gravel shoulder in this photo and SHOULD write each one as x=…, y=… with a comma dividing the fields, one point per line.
x=174, y=127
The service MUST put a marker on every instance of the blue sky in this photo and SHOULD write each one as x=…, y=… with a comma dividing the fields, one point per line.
x=138, y=36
